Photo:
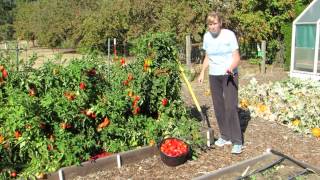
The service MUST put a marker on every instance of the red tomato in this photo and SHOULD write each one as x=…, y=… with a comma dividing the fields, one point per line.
x=125, y=82
x=100, y=155
x=136, y=110
x=173, y=147
x=93, y=116
x=123, y=61
x=4, y=73
x=82, y=85
x=13, y=174
x=137, y=98
x=164, y=102
x=49, y=147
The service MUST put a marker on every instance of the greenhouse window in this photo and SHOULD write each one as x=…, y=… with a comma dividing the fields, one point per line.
x=304, y=47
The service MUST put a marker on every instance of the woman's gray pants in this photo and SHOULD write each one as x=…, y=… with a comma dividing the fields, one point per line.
x=224, y=92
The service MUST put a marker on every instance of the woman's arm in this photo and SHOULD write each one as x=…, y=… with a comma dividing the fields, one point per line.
x=205, y=65
x=235, y=61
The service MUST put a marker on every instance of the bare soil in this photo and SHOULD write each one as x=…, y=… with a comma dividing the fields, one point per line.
x=259, y=135
x=27, y=50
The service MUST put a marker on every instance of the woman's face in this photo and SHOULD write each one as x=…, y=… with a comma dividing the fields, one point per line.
x=214, y=26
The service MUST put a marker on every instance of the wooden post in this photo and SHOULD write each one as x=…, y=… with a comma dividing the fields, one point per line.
x=17, y=56
x=108, y=49
x=263, y=62
x=124, y=49
x=188, y=50
x=109, y=57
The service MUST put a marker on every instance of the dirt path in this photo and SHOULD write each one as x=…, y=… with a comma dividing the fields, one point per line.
x=259, y=135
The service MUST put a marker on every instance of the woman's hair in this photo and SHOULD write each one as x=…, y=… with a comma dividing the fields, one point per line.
x=214, y=15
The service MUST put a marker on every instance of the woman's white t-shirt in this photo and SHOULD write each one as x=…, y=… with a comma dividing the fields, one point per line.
x=219, y=51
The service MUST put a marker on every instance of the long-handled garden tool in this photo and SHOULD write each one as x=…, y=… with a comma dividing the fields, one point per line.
x=203, y=117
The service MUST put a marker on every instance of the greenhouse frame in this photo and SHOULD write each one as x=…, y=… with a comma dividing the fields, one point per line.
x=305, y=48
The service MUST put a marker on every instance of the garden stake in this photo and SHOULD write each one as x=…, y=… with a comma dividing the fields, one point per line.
x=119, y=161
x=61, y=177
x=203, y=117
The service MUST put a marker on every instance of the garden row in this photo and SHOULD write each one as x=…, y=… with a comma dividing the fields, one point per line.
x=63, y=114
x=291, y=102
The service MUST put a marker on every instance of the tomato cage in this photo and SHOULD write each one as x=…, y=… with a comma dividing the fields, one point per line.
x=270, y=165
x=305, y=49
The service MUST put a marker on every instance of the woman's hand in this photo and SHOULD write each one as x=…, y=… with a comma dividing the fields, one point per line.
x=229, y=72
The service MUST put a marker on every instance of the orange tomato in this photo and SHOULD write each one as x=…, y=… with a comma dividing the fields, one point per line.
x=105, y=123
x=130, y=77
x=17, y=134
x=69, y=95
x=65, y=125
x=1, y=139
x=130, y=93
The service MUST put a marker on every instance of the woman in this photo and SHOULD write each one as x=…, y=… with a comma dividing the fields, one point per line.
x=222, y=57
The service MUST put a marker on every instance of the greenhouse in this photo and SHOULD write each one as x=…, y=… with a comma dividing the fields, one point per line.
x=305, y=52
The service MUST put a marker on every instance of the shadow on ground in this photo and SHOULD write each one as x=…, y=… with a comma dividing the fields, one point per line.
x=244, y=117
x=201, y=116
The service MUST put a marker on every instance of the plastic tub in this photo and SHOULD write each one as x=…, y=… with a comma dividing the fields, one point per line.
x=174, y=160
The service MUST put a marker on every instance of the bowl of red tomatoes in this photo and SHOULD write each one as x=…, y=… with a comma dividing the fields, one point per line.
x=174, y=151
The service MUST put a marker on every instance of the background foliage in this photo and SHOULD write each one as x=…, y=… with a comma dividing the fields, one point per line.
x=88, y=24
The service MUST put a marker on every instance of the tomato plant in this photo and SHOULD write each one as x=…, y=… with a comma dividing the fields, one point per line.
x=60, y=115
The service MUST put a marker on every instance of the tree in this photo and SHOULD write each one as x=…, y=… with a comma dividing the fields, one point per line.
x=52, y=22
x=88, y=24
x=262, y=20
x=6, y=19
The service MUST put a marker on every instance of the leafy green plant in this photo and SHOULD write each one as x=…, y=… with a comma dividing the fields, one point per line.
x=63, y=114
x=290, y=102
